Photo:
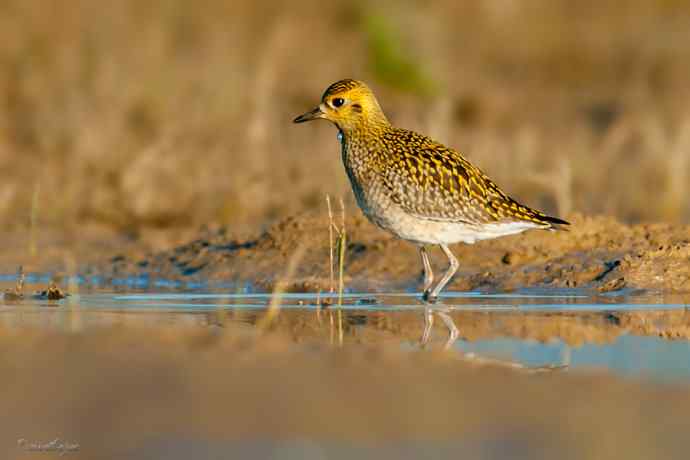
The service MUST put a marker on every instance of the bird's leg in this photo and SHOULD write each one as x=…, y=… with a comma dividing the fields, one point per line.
x=454, y=264
x=428, y=324
x=428, y=274
x=453, y=332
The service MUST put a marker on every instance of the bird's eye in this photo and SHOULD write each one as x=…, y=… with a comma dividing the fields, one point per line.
x=338, y=101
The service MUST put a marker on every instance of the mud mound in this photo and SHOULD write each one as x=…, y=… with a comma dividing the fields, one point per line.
x=597, y=253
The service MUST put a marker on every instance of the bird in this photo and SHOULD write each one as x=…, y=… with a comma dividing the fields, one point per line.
x=416, y=188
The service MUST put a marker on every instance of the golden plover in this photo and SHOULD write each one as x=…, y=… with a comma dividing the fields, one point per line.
x=416, y=188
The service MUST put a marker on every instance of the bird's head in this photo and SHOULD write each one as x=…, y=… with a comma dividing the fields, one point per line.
x=349, y=104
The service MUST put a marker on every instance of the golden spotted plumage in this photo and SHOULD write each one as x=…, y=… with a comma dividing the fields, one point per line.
x=413, y=164
x=413, y=186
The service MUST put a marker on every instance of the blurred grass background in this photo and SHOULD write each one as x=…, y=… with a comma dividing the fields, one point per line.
x=162, y=113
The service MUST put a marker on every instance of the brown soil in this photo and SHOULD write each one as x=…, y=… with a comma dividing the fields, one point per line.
x=596, y=253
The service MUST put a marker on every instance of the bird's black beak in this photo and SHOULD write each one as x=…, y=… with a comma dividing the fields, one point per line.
x=311, y=115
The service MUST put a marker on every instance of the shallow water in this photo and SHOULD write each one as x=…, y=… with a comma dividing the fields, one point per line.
x=605, y=343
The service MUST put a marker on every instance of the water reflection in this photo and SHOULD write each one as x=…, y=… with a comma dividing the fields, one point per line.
x=532, y=327
x=440, y=310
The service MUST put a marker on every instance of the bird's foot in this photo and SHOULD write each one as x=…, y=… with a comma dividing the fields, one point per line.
x=427, y=297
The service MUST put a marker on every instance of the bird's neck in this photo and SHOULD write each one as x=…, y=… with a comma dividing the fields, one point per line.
x=364, y=131
x=362, y=148
x=362, y=140
x=361, y=136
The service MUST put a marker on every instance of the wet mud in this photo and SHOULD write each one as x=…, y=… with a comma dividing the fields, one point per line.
x=596, y=253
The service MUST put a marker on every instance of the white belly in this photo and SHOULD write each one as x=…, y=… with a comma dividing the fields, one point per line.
x=389, y=216
x=425, y=231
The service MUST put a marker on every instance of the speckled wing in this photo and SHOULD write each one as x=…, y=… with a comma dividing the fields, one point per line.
x=434, y=182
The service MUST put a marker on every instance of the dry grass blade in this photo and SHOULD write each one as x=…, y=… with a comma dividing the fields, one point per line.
x=33, y=230
x=318, y=307
x=19, y=286
x=342, y=242
x=18, y=292
x=280, y=287
x=330, y=242
x=342, y=247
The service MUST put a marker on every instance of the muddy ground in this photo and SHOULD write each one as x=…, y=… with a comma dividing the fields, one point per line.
x=596, y=253
x=143, y=389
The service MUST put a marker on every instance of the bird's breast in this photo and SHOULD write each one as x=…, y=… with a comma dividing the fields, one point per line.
x=369, y=190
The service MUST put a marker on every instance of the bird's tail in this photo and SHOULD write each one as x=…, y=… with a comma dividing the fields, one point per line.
x=555, y=223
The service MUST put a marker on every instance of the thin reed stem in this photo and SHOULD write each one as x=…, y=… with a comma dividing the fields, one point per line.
x=330, y=242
